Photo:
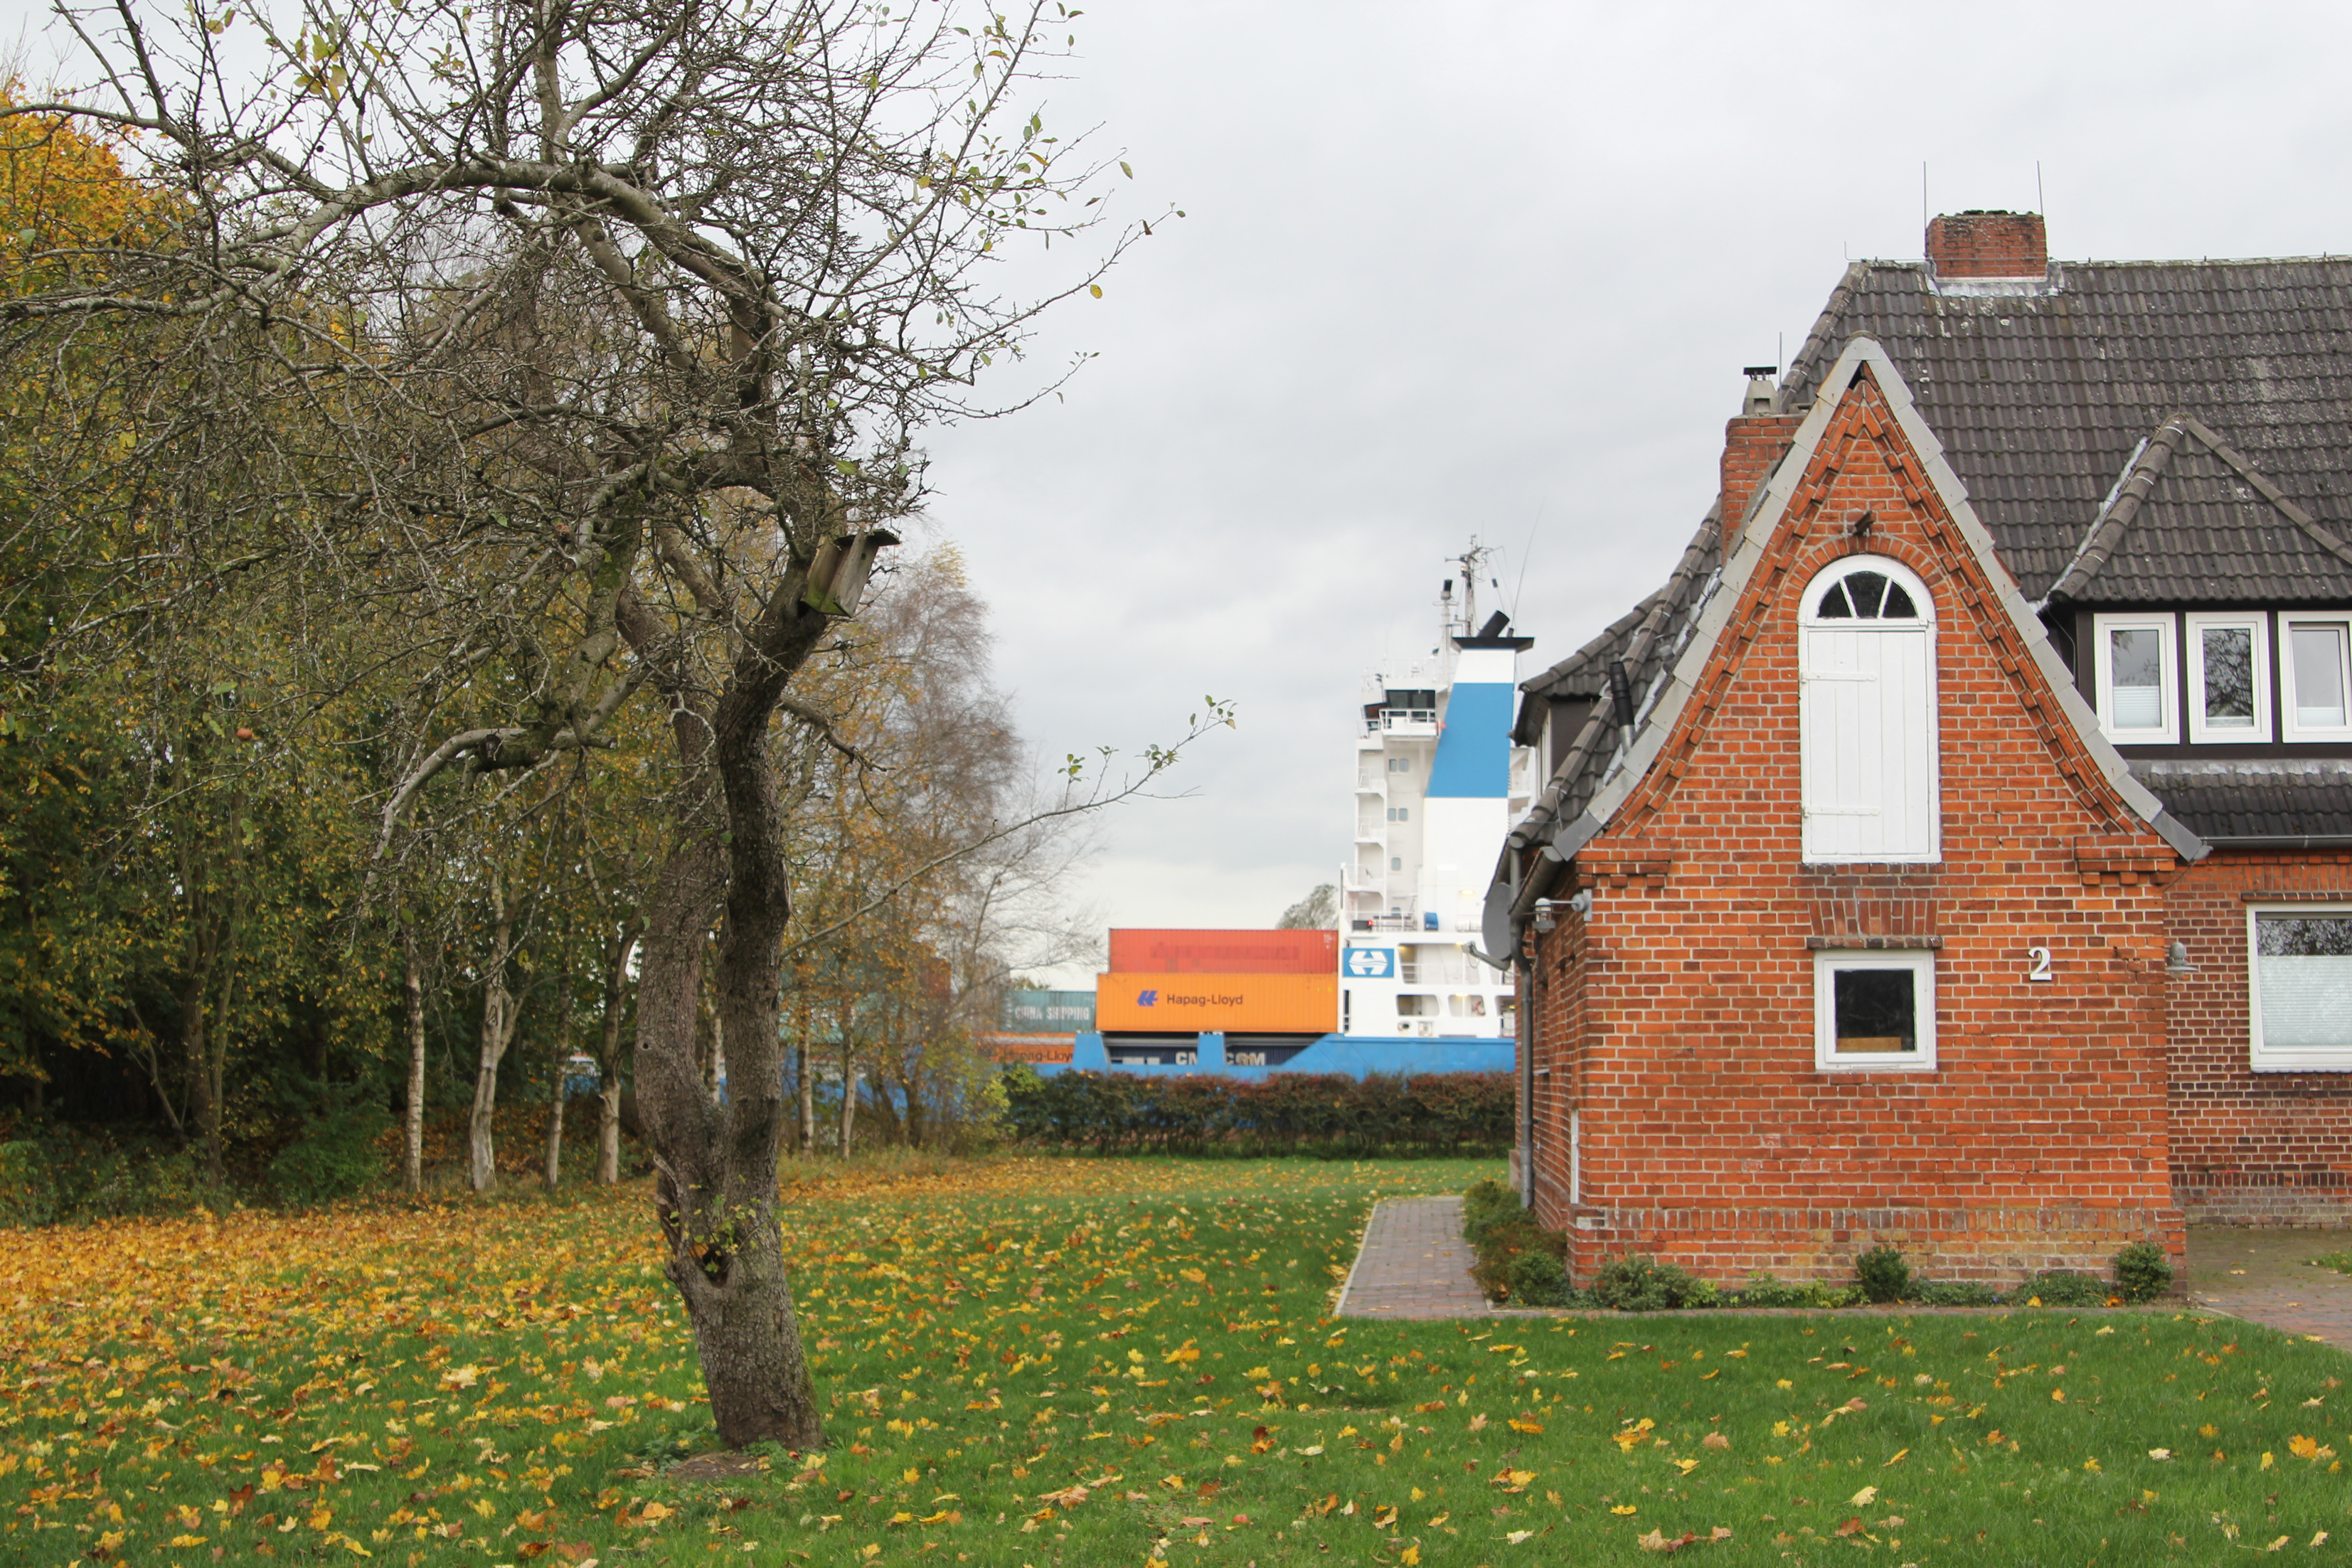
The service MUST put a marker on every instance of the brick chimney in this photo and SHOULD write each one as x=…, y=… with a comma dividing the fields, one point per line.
x=1989, y=244
x=1752, y=447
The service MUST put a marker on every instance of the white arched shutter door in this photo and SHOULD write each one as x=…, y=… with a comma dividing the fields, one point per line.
x=1868, y=752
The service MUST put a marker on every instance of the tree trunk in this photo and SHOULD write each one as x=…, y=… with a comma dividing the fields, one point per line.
x=555, y=1126
x=498, y=1031
x=608, y=1058
x=716, y=1193
x=802, y=1085
x=411, y=1160
x=717, y=1059
x=848, y=1092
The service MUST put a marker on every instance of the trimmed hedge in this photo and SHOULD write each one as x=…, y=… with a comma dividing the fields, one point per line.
x=1433, y=1113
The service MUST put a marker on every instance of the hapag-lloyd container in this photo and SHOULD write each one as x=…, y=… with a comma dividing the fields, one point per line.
x=1183, y=1003
x=1137, y=951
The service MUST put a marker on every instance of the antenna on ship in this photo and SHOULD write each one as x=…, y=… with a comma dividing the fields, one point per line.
x=1469, y=561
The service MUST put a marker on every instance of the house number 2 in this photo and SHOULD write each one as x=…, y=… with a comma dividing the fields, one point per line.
x=2038, y=966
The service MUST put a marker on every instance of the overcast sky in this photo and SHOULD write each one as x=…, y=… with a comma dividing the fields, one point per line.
x=1493, y=270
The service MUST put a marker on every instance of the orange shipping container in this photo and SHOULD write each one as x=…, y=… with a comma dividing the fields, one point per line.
x=1142, y=952
x=1189, y=1004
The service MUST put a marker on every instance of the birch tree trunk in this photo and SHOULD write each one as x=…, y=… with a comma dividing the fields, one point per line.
x=412, y=1159
x=608, y=1059
x=555, y=1118
x=498, y=1032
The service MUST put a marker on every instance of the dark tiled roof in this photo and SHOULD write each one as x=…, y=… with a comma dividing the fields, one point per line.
x=2190, y=512
x=1649, y=640
x=2287, y=799
x=1585, y=672
x=2041, y=402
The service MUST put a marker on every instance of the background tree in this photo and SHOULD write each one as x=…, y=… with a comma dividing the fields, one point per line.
x=1318, y=910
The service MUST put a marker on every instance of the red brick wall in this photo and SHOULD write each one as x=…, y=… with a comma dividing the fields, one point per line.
x=1989, y=244
x=2247, y=1146
x=1678, y=1017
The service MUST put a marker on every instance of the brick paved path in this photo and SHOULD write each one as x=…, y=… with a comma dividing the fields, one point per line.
x=1413, y=1264
x=2266, y=1277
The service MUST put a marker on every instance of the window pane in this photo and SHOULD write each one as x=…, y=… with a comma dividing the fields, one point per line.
x=1867, y=589
x=2229, y=677
x=1875, y=1010
x=1899, y=605
x=2136, y=666
x=2305, y=971
x=2318, y=653
x=1833, y=604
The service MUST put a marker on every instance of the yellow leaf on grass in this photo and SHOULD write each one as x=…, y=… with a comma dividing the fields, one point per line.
x=1624, y=1508
x=1528, y=1426
x=1411, y=1555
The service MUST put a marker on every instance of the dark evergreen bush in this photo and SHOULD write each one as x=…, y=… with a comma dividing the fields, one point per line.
x=1646, y=1285
x=2142, y=1272
x=1951, y=1293
x=1284, y=1112
x=1537, y=1279
x=336, y=1156
x=2061, y=1288
x=1882, y=1274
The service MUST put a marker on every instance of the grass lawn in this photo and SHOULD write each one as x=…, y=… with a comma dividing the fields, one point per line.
x=1078, y=1363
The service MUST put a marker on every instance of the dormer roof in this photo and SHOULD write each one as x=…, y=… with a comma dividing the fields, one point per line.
x=2044, y=400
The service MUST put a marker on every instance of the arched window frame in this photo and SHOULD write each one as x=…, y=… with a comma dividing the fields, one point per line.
x=1818, y=830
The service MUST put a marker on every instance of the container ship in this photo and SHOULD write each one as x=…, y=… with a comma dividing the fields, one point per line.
x=1400, y=986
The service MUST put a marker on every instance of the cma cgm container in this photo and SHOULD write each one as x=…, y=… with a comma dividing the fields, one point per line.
x=1181, y=1003
x=1138, y=952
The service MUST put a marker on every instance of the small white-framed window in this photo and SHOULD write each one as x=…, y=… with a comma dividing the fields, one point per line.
x=2316, y=664
x=1875, y=1012
x=2229, y=678
x=2299, y=987
x=1867, y=726
x=1400, y=764
x=2133, y=663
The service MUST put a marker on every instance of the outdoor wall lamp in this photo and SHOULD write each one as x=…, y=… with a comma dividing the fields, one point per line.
x=2176, y=960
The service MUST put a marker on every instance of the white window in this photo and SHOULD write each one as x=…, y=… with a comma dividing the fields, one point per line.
x=2133, y=664
x=1875, y=1012
x=1396, y=862
x=1868, y=673
x=2229, y=678
x=1400, y=764
x=2299, y=975
x=2318, y=677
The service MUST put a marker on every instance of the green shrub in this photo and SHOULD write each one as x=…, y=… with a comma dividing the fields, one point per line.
x=28, y=1195
x=335, y=1156
x=1537, y=1280
x=1763, y=1290
x=1646, y=1285
x=2142, y=1272
x=1882, y=1274
x=1951, y=1293
x=1486, y=1207
x=2061, y=1288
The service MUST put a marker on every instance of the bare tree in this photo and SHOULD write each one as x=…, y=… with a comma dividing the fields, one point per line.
x=585, y=341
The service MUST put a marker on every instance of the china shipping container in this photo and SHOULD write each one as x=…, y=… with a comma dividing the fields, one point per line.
x=1151, y=952
x=1180, y=1003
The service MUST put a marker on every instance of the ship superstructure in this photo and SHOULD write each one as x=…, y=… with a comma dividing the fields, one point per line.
x=1438, y=784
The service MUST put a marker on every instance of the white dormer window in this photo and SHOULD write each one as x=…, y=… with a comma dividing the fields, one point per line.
x=2316, y=664
x=2133, y=661
x=1867, y=715
x=2229, y=678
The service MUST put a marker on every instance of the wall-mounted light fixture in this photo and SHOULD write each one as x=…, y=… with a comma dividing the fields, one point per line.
x=2176, y=960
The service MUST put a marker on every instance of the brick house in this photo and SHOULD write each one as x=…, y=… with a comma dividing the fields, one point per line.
x=1957, y=850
